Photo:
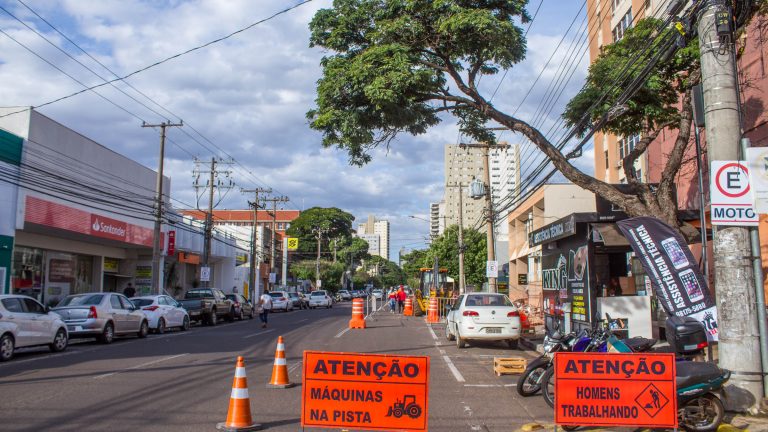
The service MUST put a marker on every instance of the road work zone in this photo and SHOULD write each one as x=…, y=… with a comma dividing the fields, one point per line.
x=611, y=389
x=365, y=391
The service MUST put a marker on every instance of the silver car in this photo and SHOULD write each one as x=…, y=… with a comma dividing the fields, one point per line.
x=25, y=322
x=102, y=316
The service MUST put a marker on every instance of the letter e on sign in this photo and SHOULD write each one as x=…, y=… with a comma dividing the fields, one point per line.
x=731, y=194
x=613, y=390
x=365, y=391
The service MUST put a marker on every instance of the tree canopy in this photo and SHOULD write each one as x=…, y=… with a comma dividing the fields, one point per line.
x=336, y=224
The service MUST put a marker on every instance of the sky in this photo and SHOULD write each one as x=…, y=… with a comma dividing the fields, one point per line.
x=246, y=97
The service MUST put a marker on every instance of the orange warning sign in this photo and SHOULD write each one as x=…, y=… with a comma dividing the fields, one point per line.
x=611, y=389
x=365, y=391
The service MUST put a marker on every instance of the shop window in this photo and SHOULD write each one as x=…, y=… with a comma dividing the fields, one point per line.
x=27, y=271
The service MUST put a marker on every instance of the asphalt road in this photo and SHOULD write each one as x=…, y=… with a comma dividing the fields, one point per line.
x=181, y=381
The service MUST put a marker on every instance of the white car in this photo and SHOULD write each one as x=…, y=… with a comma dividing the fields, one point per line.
x=162, y=312
x=483, y=316
x=25, y=322
x=281, y=301
x=377, y=294
x=320, y=298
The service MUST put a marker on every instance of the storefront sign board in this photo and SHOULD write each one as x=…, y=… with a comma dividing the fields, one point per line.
x=111, y=265
x=555, y=231
x=679, y=284
x=365, y=391
x=171, y=243
x=292, y=243
x=566, y=276
x=522, y=279
x=614, y=390
x=731, y=194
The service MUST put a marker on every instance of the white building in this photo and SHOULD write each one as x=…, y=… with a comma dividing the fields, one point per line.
x=379, y=228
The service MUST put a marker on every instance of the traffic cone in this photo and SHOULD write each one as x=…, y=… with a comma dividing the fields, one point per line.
x=432, y=313
x=358, y=319
x=280, y=369
x=408, y=310
x=239, y=414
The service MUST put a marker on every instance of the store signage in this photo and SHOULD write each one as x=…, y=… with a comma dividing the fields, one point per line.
x=731, y=194
x=143, y=276
x=563, y=228
x=680, y=287
x=171, y=243
x=205, y=274
x=61, y=270
x=365, y=391
x=108, y=228
x=614, y=390
x=757, y=160
x=111, y=265
x=492, y=269
x=292, y=243
x=522, y=279
x=565, y=276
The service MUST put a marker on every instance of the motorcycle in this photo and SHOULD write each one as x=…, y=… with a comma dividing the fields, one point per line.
x=529, y=382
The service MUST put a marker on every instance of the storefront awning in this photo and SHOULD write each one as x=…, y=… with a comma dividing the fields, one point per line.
x=609, y=233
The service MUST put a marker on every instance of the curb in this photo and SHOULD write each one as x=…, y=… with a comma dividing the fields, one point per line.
x=531, y=345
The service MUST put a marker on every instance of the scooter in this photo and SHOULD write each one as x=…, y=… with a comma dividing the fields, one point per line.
x=529, y=382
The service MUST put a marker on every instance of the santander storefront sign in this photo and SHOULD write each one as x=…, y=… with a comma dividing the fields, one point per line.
x=108, y=228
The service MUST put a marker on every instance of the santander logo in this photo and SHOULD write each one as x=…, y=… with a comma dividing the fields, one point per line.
x=110, y=228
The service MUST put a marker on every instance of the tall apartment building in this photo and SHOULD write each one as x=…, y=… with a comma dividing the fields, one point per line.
x=464, y=165
x=375, y=227
x=434, y=219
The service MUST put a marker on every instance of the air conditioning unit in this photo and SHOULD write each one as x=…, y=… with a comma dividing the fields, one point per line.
x=620, y=163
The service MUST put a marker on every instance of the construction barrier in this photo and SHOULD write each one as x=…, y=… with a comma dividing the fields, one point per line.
x=358, y=319
x=280, y=368
x=239, y=413
x=432, y=314
x=408, y=309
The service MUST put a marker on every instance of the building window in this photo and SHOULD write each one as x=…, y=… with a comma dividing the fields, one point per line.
x=606, y=159
x=622, y=26
x=627, y=144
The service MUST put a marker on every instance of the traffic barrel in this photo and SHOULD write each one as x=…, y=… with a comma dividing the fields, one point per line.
x=239, y=413
x=408, y=311
x=432, y=313
x=358, y=318
x=280, y=369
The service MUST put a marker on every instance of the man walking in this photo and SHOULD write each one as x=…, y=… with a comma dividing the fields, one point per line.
x=129, y=291
x=401, y=299
x=265, y=305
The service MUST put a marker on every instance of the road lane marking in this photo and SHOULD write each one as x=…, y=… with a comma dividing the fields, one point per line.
x=256, y=334
x=139, y=366
x=341, y=333
x=294, y=367
x=434, y=336
x=454, y=370
x=490, y=385
x=305, y=319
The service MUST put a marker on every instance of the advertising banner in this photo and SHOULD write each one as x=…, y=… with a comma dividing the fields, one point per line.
x=680, y=287
x=611, y=389
x=567, y=273
x=365, y=391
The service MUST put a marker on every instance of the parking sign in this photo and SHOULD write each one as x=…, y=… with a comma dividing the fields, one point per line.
x=731, y=194
x=492, y=269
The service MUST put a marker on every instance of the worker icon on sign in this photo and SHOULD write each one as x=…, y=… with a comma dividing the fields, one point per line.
x=655, y=397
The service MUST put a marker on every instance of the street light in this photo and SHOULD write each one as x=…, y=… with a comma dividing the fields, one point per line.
x=419, y=218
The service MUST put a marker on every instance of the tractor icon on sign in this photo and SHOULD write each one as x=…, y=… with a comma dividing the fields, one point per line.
x=407, y=406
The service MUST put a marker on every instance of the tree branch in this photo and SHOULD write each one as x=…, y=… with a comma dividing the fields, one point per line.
x=629, y=160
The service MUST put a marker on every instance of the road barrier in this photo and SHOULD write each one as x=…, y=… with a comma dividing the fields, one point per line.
x=408, y=309
x=358, y=318
x=280, y=369
x=432, y=314
x=239, y=413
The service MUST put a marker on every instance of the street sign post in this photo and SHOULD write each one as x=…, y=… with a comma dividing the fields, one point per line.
x=731, y=194
x=205, y=274
x=614, y=390
x=757, y=160
x=492, y=269
x=365, y=391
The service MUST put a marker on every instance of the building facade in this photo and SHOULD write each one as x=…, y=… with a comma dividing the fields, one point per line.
x=375, y=231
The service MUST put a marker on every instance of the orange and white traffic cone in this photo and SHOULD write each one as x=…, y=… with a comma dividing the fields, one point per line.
x=280, y=369
x=358, y=318
x=432, y=313
x=408, y=310
x=239, y=414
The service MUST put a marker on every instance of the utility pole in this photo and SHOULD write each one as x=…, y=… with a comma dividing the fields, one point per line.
x=318, y=231
x=212, y=184
x=272, y=265
x=255, y=206
x=490, y=222
x=739, y=345
x=461, y=237
x=156, y=247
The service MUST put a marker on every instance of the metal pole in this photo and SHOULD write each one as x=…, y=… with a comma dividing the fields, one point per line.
x=209, y=221
x=461, y=240
x=734, y=284
x=489, y=223
x=702, y=205
x=285, y=261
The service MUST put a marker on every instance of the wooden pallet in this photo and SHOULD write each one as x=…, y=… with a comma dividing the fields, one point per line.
x=509, y=365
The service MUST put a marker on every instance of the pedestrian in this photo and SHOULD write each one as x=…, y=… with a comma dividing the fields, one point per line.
x=400, y=299
x=392, y=300
x=265, y=306
x=129, y=291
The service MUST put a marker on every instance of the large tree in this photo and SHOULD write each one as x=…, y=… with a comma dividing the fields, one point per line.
x=397, y=66
x=333, y=222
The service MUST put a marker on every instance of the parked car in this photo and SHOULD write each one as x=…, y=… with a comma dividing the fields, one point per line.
x=298, y=300
x=208, y=305
x=281, y=301
x=243, y=307
x=24, y=322
x=163, y=312
x=483, y=316
x=320, y=298
x=102, y=316
x=378, y=294
x=344, y=295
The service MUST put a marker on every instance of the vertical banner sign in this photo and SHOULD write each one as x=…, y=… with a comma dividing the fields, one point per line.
x=610, y=389
x=674, y=273
x=731, y=195
x=757, y=159
x=171, y=243
x=365, y=391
